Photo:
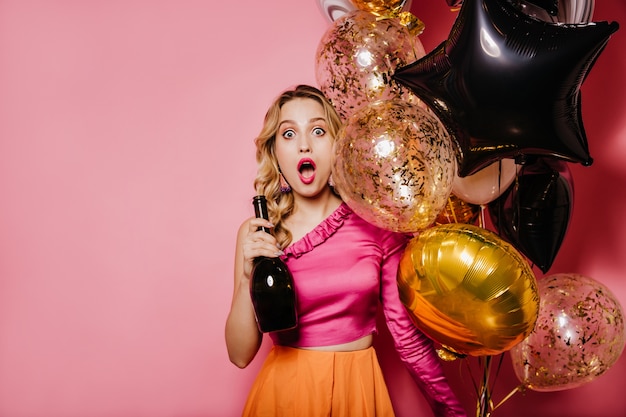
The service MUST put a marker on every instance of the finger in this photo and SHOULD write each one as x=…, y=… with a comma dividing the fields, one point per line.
x=263, y=253
x=256, y=223
x=261, y=236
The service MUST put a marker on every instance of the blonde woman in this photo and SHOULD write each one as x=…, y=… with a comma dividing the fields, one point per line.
x=344, y=269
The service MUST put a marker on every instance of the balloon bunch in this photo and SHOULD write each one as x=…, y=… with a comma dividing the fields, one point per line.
x=486, y=122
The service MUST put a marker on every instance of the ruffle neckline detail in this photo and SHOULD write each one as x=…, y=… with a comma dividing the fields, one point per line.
x=321, y=233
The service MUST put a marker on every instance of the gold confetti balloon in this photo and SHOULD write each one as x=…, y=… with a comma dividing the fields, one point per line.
x=579, y=334
x=394, y=164
x=358, y=55
x=468, y=289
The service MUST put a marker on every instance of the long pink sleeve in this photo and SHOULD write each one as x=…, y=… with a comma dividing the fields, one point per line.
x=415, y=349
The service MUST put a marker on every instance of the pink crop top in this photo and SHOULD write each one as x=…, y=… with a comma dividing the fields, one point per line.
x=338, y=270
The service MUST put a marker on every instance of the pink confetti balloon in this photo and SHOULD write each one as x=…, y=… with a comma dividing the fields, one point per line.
x=394, y=164
x=578, y=336
x=357, y=56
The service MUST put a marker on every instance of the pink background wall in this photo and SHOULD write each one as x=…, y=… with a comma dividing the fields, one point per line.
x=126, y=163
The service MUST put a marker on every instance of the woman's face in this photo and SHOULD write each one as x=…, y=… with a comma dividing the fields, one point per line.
x=303, y=146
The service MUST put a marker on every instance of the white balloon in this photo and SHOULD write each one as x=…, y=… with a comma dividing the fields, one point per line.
x=584, y=11
x=487, y=184
x=334, y=9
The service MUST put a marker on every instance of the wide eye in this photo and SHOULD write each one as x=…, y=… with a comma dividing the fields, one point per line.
x=289, y=134
x=318, y=131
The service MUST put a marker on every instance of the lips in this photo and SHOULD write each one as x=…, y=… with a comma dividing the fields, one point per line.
x=306, y=170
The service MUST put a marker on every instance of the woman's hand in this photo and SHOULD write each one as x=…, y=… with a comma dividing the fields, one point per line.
x=255, y=243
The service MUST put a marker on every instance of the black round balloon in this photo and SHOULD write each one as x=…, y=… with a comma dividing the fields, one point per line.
x=534, y=213
x=505, y=84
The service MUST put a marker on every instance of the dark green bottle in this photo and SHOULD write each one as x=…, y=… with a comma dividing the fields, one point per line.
x=271, y=286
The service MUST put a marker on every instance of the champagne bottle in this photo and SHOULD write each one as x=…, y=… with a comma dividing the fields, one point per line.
x=271, y=286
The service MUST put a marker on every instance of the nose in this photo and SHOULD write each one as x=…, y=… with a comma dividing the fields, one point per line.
x=304, y=145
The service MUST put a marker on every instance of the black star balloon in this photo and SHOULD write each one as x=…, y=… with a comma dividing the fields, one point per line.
x=507, y=85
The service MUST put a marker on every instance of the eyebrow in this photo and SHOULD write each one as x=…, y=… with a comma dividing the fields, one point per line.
x=313, y=120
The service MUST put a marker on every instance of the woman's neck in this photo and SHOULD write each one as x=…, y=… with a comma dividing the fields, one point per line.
x=320, y=206
x=309, y=212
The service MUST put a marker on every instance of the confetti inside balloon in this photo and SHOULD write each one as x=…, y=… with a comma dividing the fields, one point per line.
x=394, y=165
x=467, y=289
x=579, y=334
x=357, y=56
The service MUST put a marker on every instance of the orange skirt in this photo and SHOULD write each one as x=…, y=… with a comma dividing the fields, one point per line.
x=308, y=383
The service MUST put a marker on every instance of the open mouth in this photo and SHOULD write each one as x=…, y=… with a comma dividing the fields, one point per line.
x=306, y=169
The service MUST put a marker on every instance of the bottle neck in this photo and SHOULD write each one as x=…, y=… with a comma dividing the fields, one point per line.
x=260, y=210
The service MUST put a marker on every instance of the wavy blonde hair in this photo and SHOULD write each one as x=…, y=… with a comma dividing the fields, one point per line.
x=267, y=182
